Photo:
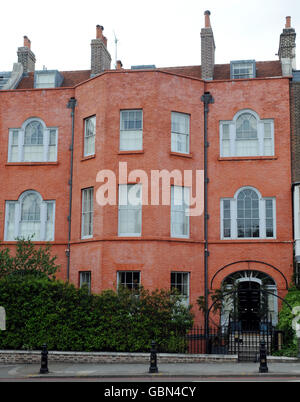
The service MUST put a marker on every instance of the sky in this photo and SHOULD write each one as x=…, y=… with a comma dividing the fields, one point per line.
x=165, y=33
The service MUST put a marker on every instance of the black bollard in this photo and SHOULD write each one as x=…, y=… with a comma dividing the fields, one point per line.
x=263, y=368
x=44, y=360
x=153, y=358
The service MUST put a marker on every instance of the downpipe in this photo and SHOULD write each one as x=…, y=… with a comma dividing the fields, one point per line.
x=71, y=105
x=207, y=99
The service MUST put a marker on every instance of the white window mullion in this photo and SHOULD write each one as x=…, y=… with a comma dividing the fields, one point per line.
x=46, y=144
x=17, y=219
x=262, y=218
x=234, y=232
x=261, y=138
x=232, y=140
x=21, y=145
x=43, y=220
x=10, y=141
x=274, y=218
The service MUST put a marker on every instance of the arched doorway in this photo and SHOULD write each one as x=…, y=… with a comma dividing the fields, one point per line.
x=250, y=298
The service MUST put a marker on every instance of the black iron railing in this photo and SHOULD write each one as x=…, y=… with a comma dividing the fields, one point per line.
x=228, y=340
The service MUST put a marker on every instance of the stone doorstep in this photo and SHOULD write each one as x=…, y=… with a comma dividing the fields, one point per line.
x=31, y=357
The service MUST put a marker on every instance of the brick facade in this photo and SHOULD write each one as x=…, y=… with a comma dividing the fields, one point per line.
x=156, y=254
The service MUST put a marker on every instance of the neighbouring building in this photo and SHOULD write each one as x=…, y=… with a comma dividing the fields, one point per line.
x=64, y=134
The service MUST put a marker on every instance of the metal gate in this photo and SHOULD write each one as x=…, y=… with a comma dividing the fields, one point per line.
x=233, y=340
x=246, y=343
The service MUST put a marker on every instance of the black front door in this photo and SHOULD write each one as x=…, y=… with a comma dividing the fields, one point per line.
x=249, y=305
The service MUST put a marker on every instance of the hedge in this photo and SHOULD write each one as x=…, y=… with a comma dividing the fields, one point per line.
x=41, y=310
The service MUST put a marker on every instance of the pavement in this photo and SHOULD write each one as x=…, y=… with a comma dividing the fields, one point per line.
x=119, y=371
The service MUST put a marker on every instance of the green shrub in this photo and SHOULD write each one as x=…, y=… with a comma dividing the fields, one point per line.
x=28, y=259
x=41, y=310
x=285, y=322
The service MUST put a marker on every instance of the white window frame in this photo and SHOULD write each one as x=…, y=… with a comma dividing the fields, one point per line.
x=17, y=217
x=127, y=284
x=85, y=277
x=88, y=138
x=134, y=132
x=183, y=208
x=185, y=299
x=260, y=135
x=262, y=217
x=89, y=214
x=125, y=205
x=243, y=64
x=187, y=123
x=21, y=142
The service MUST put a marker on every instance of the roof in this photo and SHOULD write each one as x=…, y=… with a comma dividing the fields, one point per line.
x=4, y=77
x=264, y=69
x=70, y=79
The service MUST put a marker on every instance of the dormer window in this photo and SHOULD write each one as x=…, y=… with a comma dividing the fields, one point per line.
x=242, y=69
x=47, y=79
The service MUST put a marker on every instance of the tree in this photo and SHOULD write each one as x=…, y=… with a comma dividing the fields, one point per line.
x=28, y=259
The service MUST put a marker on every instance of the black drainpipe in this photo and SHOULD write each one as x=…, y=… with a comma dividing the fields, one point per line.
x=206, y=99
x=71, y=105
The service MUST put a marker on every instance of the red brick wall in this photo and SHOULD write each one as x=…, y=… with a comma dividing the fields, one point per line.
x=155, y=254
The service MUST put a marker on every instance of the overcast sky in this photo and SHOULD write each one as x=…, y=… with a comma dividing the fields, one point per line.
x=161, y=32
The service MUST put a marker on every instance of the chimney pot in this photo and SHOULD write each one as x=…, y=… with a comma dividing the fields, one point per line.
x=207, y=19
x=27, y=42
x=119, y=65
x=99, y=31
x=288, y=22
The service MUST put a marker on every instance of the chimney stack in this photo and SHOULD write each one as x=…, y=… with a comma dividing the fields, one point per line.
x=26, y=57
x=287, y=49
x=119, y=65
x=207, y=49
x=100, y=57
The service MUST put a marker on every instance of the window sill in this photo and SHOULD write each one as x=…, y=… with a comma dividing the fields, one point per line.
x=31, y=163
x=130, y=236
x=87, y=238
x=249, y=239
x=246, y=158
x=88, y=157
x=181, y=154
x=131, y=152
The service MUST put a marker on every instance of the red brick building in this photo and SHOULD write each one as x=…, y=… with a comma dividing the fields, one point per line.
x=62, y=132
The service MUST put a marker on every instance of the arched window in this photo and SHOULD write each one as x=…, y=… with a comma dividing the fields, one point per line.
x=33, y=142
x=248, y=215
x=247, y=135
x=30, y=223
x=30, y=217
